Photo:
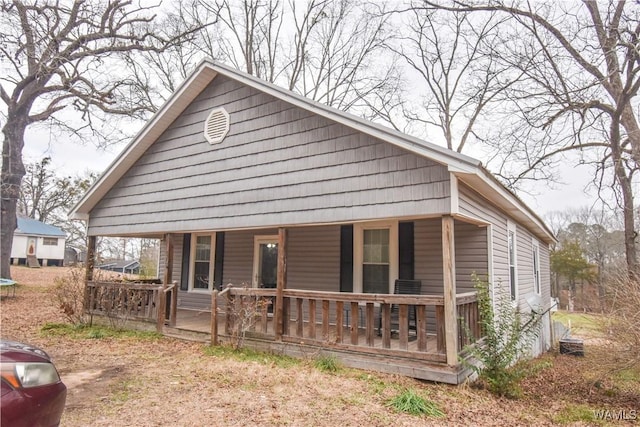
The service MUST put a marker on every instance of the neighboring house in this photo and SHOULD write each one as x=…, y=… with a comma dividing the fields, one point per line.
x=41, y=241
x=250, y=184
x=121, y=266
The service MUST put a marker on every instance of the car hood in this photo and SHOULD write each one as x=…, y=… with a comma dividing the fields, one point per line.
x=12, y=351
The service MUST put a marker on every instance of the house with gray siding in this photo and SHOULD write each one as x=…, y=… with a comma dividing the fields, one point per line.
x=256, y=191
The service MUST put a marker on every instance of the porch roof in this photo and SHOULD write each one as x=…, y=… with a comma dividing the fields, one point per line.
x=468, y=169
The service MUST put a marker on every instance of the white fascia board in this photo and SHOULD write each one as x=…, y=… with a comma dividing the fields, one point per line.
x=487, y=185
x=454, y=194
x=160, y=121
x=79, y=216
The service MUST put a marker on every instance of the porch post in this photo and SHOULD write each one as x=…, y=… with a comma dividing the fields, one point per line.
x=449, y=276
x=168, y=275
x=91, y=258
x=88, y=274
x=281, y=281
x=168, y=266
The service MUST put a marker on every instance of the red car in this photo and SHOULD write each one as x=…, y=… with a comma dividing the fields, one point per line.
x=32, y=393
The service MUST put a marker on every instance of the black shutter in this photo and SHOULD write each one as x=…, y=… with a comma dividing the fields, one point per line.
x=405, y=250
x=219, y=261
x=346, y=258
x=186, y=252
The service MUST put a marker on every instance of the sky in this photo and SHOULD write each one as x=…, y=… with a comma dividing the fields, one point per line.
x=70, y=158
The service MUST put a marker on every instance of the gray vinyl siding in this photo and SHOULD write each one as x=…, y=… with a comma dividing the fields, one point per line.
x=238, y=256
x=525, y=262
x=473, y=205
x=313, y=260
x=278, y=164
x=428, y=255
x=471, y=254
x=545, y=272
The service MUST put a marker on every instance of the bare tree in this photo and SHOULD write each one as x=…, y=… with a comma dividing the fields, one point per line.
x=455, y=59
x=331, y=51
x=580, y=89
x=159, y=72
x=343, y=63
x=255, y=27
x=60, y=56
x=48, y=197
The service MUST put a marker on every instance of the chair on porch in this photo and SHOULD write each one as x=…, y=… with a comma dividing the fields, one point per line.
x=403, y=287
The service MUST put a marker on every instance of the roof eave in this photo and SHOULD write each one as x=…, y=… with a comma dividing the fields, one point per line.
x=492, y=189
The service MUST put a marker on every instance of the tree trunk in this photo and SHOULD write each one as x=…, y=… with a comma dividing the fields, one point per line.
x=12, y=173
x=626, y=188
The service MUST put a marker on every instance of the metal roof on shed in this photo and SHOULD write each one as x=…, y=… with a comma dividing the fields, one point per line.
x=33, y=227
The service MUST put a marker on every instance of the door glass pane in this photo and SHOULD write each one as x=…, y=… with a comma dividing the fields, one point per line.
x=202, y=261
x=268, y=265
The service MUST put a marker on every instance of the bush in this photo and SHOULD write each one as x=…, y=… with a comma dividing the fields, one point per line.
x=69, y=294
x=245, y=310
x=508, y=337
x=621, y=323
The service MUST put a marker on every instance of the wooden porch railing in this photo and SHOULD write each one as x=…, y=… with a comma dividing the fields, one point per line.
x=385, y=324
x=469, y=326
x=135, y=301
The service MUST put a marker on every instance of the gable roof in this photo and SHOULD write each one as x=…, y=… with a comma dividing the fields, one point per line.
x=33, y=227
x=464, y=167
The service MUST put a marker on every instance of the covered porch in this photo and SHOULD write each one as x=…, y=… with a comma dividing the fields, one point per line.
x=419, y=335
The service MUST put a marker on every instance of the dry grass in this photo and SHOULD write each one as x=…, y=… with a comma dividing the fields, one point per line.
x=129, y=381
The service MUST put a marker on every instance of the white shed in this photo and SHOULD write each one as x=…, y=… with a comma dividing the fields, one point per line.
x=44, y=242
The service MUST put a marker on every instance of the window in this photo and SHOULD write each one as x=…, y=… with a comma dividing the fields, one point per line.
x=375, y=261
x=511, y=249
x=50, y=241
x=536, y=267
x=202, y=254
x=375, y=264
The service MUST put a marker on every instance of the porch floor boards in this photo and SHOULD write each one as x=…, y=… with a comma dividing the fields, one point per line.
x=199, y=321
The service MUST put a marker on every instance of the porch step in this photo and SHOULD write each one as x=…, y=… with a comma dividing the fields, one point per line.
x=32, y=261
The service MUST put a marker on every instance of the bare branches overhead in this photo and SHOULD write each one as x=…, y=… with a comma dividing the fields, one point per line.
x=580, y=65
x=65, y=56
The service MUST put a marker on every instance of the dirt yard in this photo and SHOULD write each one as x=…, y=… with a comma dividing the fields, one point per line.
x=141, y=381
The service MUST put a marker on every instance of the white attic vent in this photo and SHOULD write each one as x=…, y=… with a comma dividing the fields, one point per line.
x=216, y=126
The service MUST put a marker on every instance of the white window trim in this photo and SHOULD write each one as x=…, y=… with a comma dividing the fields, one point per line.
x=536, y=253
x=192, y=263
x=492, y=282
x=257, y=240
x=358, y=241
x=511, y=227
x=45, y=239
